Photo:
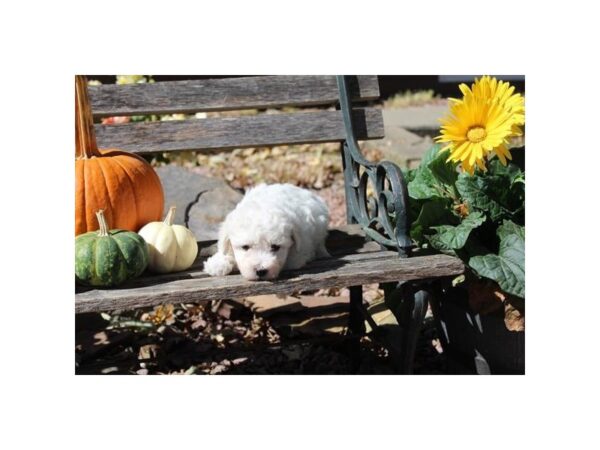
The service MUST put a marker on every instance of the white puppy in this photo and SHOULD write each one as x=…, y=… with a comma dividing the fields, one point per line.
x=274, y=227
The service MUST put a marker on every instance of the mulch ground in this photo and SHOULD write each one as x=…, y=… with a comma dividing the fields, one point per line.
x=227, y=338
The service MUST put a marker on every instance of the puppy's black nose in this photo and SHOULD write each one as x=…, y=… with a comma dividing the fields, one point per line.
x=261, y=273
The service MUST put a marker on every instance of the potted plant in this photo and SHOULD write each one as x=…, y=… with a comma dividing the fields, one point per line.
x=467, y=199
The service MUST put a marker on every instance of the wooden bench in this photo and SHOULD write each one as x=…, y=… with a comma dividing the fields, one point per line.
x=373, y=248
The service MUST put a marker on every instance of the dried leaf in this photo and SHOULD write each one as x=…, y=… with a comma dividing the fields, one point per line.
x=219, y=368
x=148, y=351
x=458, y=280
x=436, y=343
x=514, y=314
x=190, y=371
x=161, y=314
x=200, y=323
x=101, y=338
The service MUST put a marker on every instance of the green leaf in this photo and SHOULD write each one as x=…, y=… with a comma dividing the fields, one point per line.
x=511, y=170
x=507, y=268
x=409, y=174
x=444, y=171
x=430, y=155
x=509, y=227
x=484, y=193
x=450, y=237
x=422, y=185
x=433, y=212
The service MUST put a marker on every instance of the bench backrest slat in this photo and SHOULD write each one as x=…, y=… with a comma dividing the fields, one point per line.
x=239, y=132
x=225, y=94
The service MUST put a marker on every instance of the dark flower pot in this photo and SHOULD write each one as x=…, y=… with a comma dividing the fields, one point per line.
x=474, y=342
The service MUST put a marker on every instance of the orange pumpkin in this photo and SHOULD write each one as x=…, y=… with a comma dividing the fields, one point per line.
x=124, y=185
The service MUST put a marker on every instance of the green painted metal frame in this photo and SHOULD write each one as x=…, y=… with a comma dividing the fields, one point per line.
x=384, y=218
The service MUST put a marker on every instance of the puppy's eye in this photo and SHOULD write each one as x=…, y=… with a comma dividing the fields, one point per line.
x=245, y=247
x=275, y=248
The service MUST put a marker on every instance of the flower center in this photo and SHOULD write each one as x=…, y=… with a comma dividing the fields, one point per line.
x=476, y=134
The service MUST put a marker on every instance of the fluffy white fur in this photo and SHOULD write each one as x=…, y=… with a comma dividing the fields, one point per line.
x=274, y=227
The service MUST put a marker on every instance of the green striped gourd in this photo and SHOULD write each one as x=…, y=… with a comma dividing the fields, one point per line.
x=106, y=257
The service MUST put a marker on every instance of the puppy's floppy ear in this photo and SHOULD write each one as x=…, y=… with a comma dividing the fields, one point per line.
x=222, y=262
x=297, y=240
x=224, y=243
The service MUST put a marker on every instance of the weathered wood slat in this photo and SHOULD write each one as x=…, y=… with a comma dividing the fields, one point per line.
x=238, y=132
x=225, y=94
x=343, y=271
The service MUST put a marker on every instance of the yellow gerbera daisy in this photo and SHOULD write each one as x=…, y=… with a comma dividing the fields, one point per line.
x=482, y=121
x=474, y=127
x=501, y=92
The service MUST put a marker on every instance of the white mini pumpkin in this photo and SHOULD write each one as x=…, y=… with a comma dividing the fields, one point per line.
x=171, y=247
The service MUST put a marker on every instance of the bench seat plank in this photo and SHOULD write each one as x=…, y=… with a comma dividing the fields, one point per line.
x=238, y=132
x=190, y=96
x=341, y=271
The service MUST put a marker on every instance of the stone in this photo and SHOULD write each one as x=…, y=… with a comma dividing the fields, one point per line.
x=202, y=202
x=419, y=119
x=402, y=147
x=210, y=210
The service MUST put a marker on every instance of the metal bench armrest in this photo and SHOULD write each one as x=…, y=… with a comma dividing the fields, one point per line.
x=383, y=215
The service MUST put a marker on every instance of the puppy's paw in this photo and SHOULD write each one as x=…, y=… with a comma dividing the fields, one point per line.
x=218, y=265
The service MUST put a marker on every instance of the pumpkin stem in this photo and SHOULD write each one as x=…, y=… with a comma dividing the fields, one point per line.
x=103, y=231
x=170, y=216
x=85, y=136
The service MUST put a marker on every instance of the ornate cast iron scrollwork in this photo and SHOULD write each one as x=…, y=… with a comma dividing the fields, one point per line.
x=382, y=212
